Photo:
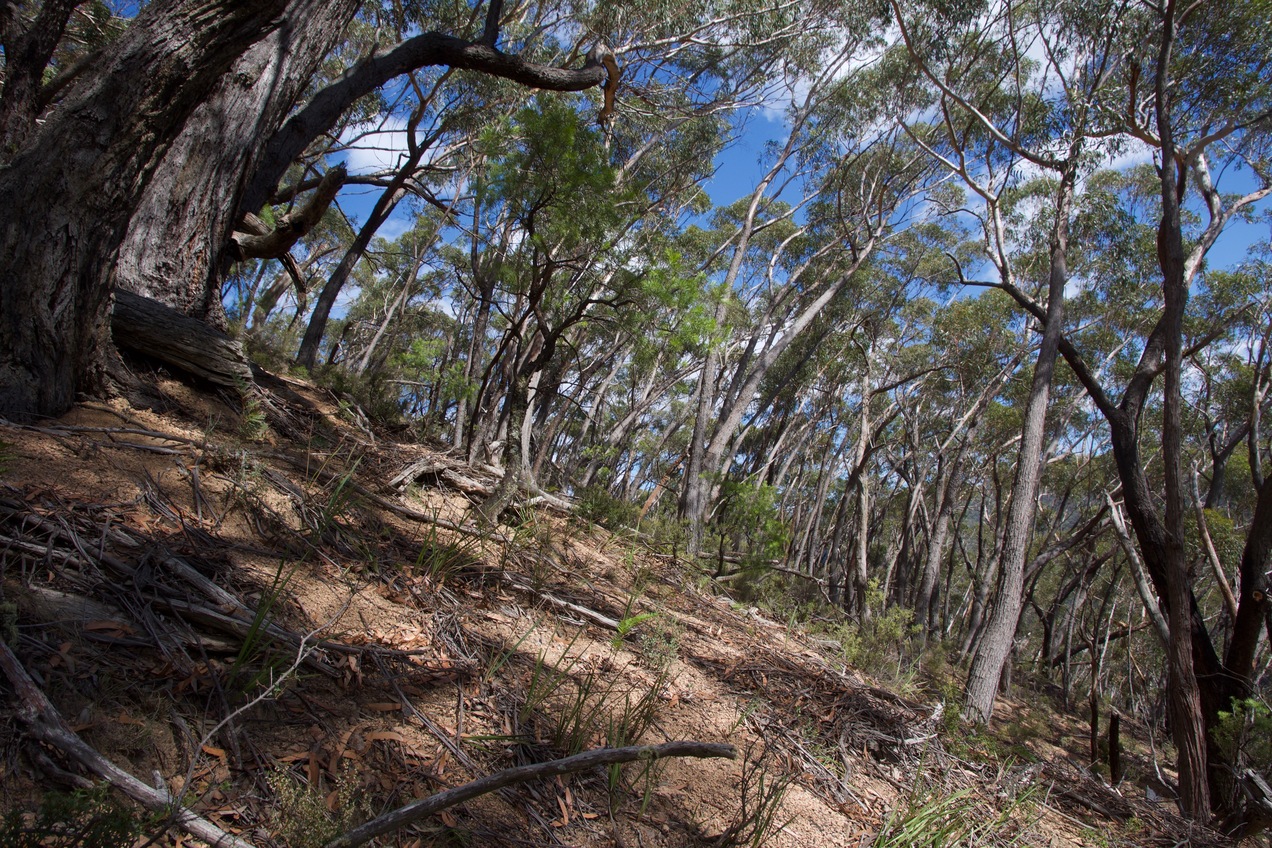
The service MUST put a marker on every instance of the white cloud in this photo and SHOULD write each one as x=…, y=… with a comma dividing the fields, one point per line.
x=399, y=222
x=374, y=147
x=1134, y=152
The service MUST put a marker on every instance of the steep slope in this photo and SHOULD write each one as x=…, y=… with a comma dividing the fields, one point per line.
x=291, y=624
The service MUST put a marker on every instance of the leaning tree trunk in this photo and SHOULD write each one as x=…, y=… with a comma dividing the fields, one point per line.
x=948, y=481
x=1000, y=631
x=861, y=562
x=69, y=194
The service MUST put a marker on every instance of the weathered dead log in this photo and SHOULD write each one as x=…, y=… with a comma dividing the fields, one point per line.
x=424, y=807
x=425, y=467
x=45, y=723
x=148, y=327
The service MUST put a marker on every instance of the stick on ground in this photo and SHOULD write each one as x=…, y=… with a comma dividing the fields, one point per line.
x=45, y=723
x=424, y=807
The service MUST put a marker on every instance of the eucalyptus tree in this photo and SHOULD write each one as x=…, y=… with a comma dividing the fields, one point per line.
x=1201, y=107
x=201, y=82
x=780, y=264
x=977, y=365
x=1204, y=113
x=1001, y=113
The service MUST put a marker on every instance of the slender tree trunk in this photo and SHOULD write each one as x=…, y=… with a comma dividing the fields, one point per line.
x=861, y=563
x=996, y=642
x=389, y=314
x=307, y=355
x=947, y=486
x=693, y=492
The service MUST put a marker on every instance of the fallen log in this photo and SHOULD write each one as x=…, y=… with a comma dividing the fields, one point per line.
x=46, y=724
x=424, y=807
x=150, y=328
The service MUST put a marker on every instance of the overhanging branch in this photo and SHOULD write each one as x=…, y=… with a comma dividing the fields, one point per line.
x=426, y=50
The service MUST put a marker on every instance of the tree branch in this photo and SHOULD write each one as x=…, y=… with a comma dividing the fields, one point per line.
x=293, y=226
x=417, y=810
x=46, y=724
x=428, y=49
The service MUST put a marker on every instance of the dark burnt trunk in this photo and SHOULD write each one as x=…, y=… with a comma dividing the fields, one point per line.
x=26, y=55
x=71, y=191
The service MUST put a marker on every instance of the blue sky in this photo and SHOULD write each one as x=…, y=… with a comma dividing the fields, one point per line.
x=738, y=169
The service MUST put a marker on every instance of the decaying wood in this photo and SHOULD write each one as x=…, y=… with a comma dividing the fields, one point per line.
x=591, y=615
x=45, y=723
x=466, y=484
x=245, y=629
x=424, y=807
x=1259, y=800
x=424, y=467
x=148, y=327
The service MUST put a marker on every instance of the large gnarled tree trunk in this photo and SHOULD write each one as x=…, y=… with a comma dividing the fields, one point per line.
x=69, y=194
x=141, y=169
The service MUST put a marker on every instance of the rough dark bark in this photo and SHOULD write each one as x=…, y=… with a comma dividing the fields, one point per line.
x=69, y=193
x=430, y=48
x=1254, y=606
x=26, y=55
x=174, y=251
x=156, y=330
x=77, y=191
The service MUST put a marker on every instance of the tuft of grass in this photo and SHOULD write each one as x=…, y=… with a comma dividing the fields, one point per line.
x=930, y=819
x=258, y=660
x=570, y=710
x=440, y=558
x=760, y=796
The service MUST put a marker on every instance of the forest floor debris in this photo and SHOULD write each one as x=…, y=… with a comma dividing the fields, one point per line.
x=267, y=633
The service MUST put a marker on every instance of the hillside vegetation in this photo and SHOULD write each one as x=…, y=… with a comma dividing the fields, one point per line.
x=726, y=422
x=243, y=611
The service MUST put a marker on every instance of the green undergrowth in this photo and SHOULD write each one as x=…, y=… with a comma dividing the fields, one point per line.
x=306, y=816
x=931, y=818
x=87, y=818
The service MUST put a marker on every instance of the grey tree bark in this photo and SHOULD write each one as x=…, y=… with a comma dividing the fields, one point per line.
x=1000, y=631
x=70, y=192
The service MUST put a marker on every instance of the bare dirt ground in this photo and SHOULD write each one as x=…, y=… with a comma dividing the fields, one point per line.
x=290, y=645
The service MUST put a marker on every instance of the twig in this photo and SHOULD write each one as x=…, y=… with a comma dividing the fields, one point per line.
x=591, y=615
x=507, y=793
x=46, y=724
x=520, y=774
x=243, y=630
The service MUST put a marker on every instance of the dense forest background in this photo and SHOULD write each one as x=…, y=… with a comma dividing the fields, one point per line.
x=977, y=358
